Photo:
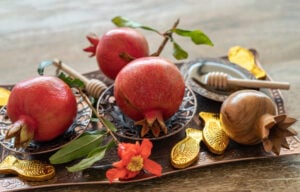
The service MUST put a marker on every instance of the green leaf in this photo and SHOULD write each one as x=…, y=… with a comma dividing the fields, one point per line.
x=76, y=149
x=92, y=100
x=98, y=154
x=70, y=81
x=109, y=125
x=94, y=119
x=94, y=132
x=42, y=66
x=178, y=52
x=125, y=22
x=67, y=79
x=94, y=156
x=197, y=36
x=182, y=32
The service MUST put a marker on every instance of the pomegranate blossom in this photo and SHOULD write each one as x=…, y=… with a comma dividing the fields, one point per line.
x=149, y=90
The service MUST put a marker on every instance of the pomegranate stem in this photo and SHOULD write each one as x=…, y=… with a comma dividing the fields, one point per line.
x=126, y=57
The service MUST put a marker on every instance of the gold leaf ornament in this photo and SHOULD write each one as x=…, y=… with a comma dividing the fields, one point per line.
x=4, y=95
x=246, y=59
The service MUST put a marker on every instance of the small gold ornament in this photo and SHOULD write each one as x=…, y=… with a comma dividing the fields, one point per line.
x=214, y=137
x=246, y=59
x=186, y=151
x=4, y=95
x=30, y=170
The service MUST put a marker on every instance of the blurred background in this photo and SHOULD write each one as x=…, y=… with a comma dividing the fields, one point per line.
x=32, y=30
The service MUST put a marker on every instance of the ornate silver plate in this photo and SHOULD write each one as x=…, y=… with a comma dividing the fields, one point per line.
x=126, y=129
x=204, y=66
x=79, y=125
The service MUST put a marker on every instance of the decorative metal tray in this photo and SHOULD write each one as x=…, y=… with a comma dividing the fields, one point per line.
x=160, y=152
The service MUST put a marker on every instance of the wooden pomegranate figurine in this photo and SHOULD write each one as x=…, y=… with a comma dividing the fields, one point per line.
x=250, y=117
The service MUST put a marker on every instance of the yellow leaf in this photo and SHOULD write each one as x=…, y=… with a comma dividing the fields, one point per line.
x=4, y=95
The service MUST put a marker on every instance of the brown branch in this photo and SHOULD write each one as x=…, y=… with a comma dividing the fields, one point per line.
x=167, y=36
x=98, y=116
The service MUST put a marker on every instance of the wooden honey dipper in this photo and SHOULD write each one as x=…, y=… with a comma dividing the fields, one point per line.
x=223, y=81
x=94, y=87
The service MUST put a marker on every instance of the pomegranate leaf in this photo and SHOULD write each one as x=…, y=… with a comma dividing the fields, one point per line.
x=42, y=66
x=67, y=79
x=197, y=36
x=77, y=148
x=71, y=81
x=109, y=125
x=125, y=22
x=178, y=52
x=94, y=132
x=95, y=155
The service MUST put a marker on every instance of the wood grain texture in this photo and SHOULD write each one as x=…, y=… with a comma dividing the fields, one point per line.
x=32, y=31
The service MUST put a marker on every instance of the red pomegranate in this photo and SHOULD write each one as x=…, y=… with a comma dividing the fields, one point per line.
x=116, y=48
x=41, y=108
x=149, y=90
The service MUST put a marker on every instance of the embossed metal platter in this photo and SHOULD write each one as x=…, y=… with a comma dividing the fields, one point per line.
x=78, y=127
x=160, y=153
x=125, y=126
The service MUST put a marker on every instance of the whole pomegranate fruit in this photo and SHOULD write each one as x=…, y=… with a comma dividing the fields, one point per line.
x=116, y=48
x=41, y=108
x=149, y=90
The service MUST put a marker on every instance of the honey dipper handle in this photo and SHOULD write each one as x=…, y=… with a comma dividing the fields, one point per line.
x=258, y=84
x=70, y=71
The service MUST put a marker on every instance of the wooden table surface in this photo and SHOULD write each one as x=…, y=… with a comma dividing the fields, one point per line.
x=32, y=31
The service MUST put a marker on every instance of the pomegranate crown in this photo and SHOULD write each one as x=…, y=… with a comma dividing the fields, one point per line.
x=94, y=40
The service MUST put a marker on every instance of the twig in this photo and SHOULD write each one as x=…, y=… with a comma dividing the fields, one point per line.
x=167, y=35
x=98, y=116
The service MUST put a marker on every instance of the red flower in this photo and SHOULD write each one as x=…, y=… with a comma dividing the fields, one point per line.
x=134, y=158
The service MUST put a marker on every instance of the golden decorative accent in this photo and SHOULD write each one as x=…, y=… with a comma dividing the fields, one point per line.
x=246, y=59
x=186, y=151
x=30, y=170
x=213, y=135
x=4, y=95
